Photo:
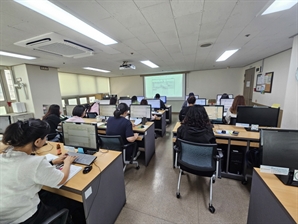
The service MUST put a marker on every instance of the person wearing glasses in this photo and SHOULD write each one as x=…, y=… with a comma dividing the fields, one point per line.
x=23, y=174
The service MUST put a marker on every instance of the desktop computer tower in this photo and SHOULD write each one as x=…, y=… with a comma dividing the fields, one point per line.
x=236, y=161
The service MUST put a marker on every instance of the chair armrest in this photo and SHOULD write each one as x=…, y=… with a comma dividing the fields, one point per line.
x=220, y=154
x=128, y=144
x=176, y=149
x=63, y=213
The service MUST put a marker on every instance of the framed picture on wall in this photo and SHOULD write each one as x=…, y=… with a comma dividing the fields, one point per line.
x=268, y=80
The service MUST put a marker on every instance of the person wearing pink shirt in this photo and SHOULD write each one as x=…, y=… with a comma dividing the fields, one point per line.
x=78, y=113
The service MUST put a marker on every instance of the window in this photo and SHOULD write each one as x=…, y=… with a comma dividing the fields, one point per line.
x=1, y=94
x=83, y=100
x=91, y=99
x=72, y=101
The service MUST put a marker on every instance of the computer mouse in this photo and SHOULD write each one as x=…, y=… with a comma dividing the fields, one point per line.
x=87, y=169
x=142, y=126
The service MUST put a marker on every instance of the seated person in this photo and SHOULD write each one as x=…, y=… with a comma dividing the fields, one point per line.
x=145, y=102
x=78, y=112
x=185, y=102
x=162, y=104
x=134, y=100
x=93, y=108
x=23, y=175
x=119, y=125
x=53, y=119
x=196, y=126
x=113, y=101
x=232, y=111
x=191, y=101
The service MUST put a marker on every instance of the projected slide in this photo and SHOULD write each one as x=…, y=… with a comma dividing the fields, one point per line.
x=171, y=86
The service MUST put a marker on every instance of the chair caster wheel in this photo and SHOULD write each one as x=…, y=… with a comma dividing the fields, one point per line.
x=178, y=195
x=211, y=209
x=213, y=181
x=138, y=167
x=244, y=182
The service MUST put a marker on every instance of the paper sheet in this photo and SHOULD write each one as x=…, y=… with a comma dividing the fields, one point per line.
x=137, y=121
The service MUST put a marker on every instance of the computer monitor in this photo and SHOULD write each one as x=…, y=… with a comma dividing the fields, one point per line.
x=164, y=99
x=124, y=98
x=155, y=104
x=219, y=96
x=140, y=111
x=127, y=102
x=81, y=135
x=104, y=102
x=4, y=122
x=140, y=98
x=107, y=110
x=227, y=103
x=215, y=113
x=263, y=116
x=200, y=101
x=280, y=149
x=196, y=96
x=69, y=109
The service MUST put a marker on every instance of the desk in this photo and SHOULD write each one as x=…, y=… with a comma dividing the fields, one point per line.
x=169, y=114
x=271, y=201
x=145, y=140
x=160, y=122
x=244, y=138
x=105, y=185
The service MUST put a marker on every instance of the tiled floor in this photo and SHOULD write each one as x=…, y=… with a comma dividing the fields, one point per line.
x=151, y=193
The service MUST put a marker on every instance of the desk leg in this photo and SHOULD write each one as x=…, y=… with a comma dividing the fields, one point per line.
x=228, y=155
x=244, y=181
x=107, y=196
x=149, y=144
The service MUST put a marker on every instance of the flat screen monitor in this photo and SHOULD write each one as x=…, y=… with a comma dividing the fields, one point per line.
x=124, y=98
x=215, y=113
x=104, y=102
x=127, y=102
x=280, y=149
x=4, y=122
x=263, y=116
x=80, y=135
x=140, y=111
x=69, y=109
x=196, y=96
x=219, y=96
x=200, y=101
x=154, y=103
x=227, y=103
x=107, y=110
x=164, y=99
x=140, y=98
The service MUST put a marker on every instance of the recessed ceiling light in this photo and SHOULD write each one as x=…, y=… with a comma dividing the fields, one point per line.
x=96, y=69
x=53, y=12
x=279, y=5
x=16, y=55
x=226, y=55
x=150, y=64
x=206, y=45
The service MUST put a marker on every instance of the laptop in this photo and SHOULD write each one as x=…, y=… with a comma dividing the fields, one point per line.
x=84, y=159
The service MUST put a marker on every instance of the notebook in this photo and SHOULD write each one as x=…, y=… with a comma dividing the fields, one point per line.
x=84, y=159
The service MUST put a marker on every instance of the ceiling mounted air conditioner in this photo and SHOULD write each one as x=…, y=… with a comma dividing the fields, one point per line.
x=56, y=44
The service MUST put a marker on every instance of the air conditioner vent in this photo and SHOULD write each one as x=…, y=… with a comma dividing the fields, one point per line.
x=56, y=44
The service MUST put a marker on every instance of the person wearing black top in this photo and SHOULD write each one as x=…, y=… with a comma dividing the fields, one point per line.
x=196, y=126
x=119, y=125
x=162, y=104
x=53, y=119
x=191, y=101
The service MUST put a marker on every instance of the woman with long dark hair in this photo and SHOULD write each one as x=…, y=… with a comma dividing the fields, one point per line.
x=196, y=126
x=232, y=111
x=53, y=119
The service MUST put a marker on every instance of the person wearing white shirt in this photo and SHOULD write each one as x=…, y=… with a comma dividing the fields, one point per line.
x=232, y=111
x=23, y=175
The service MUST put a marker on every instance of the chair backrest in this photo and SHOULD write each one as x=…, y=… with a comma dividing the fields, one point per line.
x=91, y=114
x=112, y=142
x=198, y=156
x=233, y=120
x=59, y=217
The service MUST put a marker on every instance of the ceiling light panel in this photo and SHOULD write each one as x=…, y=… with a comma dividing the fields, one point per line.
x=96, y=69
x=16, y=55
x=226, y=55
x=150, y=64
x=280, y=5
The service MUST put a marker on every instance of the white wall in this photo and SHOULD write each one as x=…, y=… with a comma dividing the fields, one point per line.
x=290, y=114
x=128, y=85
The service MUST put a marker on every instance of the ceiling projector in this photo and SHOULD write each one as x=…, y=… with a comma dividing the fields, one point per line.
x=125, y=66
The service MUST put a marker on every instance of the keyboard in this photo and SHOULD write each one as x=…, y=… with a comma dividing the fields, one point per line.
x=84, y=159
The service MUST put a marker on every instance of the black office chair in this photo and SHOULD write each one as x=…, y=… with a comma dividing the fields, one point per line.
x=55, y=137
x=199, y=159
x=91, y=114
x=233, y=120
x=114, y=142
x=59, y=217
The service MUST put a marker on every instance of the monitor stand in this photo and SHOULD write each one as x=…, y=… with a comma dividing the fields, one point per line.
x=288, y=179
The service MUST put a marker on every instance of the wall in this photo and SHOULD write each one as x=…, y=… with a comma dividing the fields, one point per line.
x=43, y=87
x=128, y=85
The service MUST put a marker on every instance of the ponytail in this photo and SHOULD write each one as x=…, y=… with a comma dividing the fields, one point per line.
x=121, y=109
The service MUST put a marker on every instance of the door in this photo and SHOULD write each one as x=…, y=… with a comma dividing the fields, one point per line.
x=248, y=85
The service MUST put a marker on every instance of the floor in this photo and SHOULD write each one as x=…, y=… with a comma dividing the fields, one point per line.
x=151, y=193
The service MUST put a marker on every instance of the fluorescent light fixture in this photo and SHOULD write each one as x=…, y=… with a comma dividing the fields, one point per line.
x=53, y=12
x=16, y=55
x=96, y=69
x=150, y=64
x=226, y=55
x=280, y=5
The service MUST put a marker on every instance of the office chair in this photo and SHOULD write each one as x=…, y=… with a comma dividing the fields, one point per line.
x=59, y=217
x=55, y=137
x=199, y=159
x=233, y=121
x=114, y=142
x=91, y=114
